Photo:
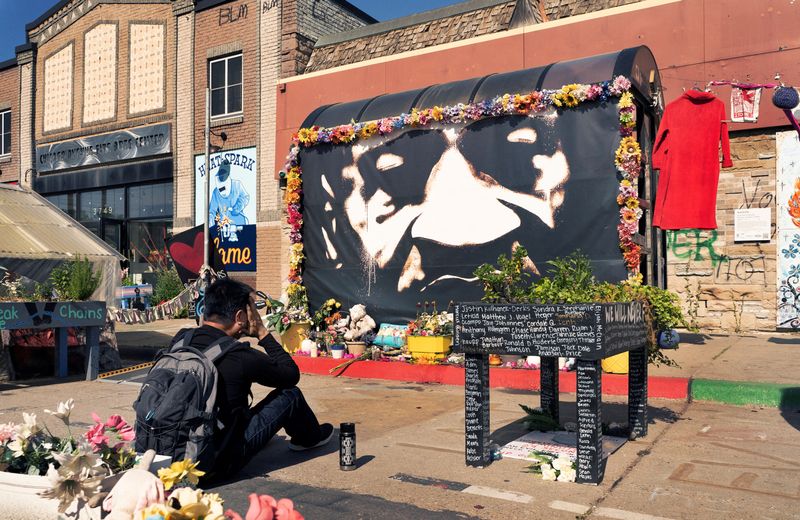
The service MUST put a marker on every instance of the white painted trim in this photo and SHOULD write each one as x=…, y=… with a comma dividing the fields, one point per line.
x=647, y=4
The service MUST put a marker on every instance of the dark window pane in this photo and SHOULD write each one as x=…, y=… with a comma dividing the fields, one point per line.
x=218, y=74
x=6, y=143
x=235, y=70
x=90, y=206
x=115, y=203
x=235, y=99
x=217, y=102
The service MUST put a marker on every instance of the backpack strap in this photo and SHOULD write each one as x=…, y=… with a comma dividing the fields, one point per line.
x=220, y=347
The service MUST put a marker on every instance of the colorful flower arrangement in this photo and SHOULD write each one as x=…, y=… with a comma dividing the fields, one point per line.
x=74, y=466
x=431, y=324
x=185, y=502
x=627, y=158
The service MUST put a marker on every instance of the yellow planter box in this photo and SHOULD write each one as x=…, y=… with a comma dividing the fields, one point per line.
x=429, y=348
x=294, y=335
x=616, y=364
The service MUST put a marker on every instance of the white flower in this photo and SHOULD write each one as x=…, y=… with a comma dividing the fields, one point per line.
x=63, y=410
x=67, y=485
x=562, y=463
x=194, y=503
x=29, y=427
x=548, y=473
x=82, y=458
x=17, y=447
x=567, y=475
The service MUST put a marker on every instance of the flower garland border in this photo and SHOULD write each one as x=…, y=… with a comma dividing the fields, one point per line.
x=627, y=158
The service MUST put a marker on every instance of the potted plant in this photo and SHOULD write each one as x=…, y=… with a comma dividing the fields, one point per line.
x=43, y=472
x=430, y=335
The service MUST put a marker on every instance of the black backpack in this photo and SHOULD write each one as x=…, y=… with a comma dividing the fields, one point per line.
x=176, y=411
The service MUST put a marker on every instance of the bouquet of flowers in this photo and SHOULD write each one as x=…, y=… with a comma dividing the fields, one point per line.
x=185, y=502
x=561, y=468
x=327, y=315
x=281, y=316
x=431, y=323
x=75, y=466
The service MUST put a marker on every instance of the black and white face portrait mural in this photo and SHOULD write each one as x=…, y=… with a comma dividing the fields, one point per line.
x=405, y=218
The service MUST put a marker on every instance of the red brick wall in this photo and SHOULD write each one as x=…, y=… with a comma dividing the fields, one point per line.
x=9, y=98
x=215, y=28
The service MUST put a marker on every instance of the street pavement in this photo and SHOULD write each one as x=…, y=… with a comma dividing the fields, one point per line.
x=699, y=460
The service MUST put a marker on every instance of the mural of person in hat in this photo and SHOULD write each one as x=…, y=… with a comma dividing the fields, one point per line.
x=228, y=200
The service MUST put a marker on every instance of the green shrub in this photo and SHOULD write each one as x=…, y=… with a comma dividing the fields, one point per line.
x=75, y=280
x=168, y=285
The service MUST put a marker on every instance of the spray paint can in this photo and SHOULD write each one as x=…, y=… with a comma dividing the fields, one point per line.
x=347, y=446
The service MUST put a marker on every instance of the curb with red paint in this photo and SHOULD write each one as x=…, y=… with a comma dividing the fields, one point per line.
x=518, y=379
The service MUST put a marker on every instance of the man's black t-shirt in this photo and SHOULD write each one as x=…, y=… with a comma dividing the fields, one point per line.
x=238, y=370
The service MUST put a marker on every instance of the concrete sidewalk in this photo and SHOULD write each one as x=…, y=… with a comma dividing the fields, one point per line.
x=759, y=369
x=700, y=460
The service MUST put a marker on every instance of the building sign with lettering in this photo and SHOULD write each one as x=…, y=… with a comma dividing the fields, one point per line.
x=124, y=145
x=231, y=208
x=752, y=224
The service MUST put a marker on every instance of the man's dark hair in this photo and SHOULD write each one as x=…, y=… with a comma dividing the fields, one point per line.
x=224, y=298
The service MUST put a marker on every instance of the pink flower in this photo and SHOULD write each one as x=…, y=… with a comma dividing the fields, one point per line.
x=97, y=437
x=7, y=431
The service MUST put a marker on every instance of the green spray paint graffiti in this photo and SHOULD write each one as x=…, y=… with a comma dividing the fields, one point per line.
x=690, y=244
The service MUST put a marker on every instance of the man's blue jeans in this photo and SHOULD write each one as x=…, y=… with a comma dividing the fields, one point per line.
x=282, y=408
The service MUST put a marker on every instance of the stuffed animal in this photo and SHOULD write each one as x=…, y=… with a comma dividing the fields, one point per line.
x=360, y=323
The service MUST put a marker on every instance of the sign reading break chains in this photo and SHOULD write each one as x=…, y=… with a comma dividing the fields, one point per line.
x=231, y=211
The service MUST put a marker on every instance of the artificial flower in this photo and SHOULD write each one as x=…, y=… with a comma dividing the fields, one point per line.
x=66, y=486
x=194, y=503
x=63, y=410
x=156, y=512
x=7, y=431
x=625, y=100
x=82, y=458
x=561, y=463
x=184, y=471
x=632, y=203
x=548, y=473
x=28, y=427
x=17, y=446
x=307, y=136
x=567, y=475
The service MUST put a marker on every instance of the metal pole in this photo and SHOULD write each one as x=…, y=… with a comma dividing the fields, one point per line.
x=207, y=182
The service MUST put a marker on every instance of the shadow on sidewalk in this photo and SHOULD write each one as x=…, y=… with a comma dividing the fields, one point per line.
x=614, y=415
x=790, y=406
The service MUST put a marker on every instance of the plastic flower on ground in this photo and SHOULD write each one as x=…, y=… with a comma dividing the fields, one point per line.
x=83, y=458
x=183, y=472
x=265, y=507
x=7, y=431
x=548, y=473
x=567, y=475
x=63, y=410
x=66, y=485
x=561, y=463
x=194, y=503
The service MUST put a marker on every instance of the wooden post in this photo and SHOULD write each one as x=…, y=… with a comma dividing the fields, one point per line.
x=62, y=333
x=476, y=410
x=548, y=380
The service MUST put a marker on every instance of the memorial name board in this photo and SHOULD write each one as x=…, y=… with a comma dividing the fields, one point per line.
x=123, y=145
x=588, y=331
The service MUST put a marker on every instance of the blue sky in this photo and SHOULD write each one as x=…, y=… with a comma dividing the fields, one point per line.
x=14, y=14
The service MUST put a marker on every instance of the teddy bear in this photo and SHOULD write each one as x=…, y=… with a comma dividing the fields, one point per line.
x=360, y=323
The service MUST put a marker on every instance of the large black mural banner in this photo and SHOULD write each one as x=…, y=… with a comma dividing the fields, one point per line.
x=405, y=218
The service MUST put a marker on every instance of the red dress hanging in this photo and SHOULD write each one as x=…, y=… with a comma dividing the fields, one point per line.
x=687, y=153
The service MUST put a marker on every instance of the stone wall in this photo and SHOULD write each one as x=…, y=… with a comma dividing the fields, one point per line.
x=725, y=285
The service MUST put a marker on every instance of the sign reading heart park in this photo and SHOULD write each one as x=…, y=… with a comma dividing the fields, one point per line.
x=231, y=211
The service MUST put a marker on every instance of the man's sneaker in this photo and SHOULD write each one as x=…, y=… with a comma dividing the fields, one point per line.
x=326, y=433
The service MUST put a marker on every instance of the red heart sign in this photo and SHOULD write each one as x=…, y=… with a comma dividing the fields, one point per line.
x=188, y=257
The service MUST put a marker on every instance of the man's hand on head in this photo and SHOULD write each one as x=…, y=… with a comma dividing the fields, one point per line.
x=256, y=327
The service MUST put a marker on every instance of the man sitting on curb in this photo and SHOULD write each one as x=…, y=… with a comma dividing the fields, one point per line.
x=230, y=310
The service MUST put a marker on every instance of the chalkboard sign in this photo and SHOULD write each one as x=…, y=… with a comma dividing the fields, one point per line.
x=637, y=393
x=585, y=330
x=548, y=381
x=590, y=463
x=476, y=409
x=48, y=315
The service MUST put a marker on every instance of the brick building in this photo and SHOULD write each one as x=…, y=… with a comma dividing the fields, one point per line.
x=9, y=121
x=737, y=285
x=112, y=111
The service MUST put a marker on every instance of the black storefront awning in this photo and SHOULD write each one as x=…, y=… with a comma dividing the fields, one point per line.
x=104, y=177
